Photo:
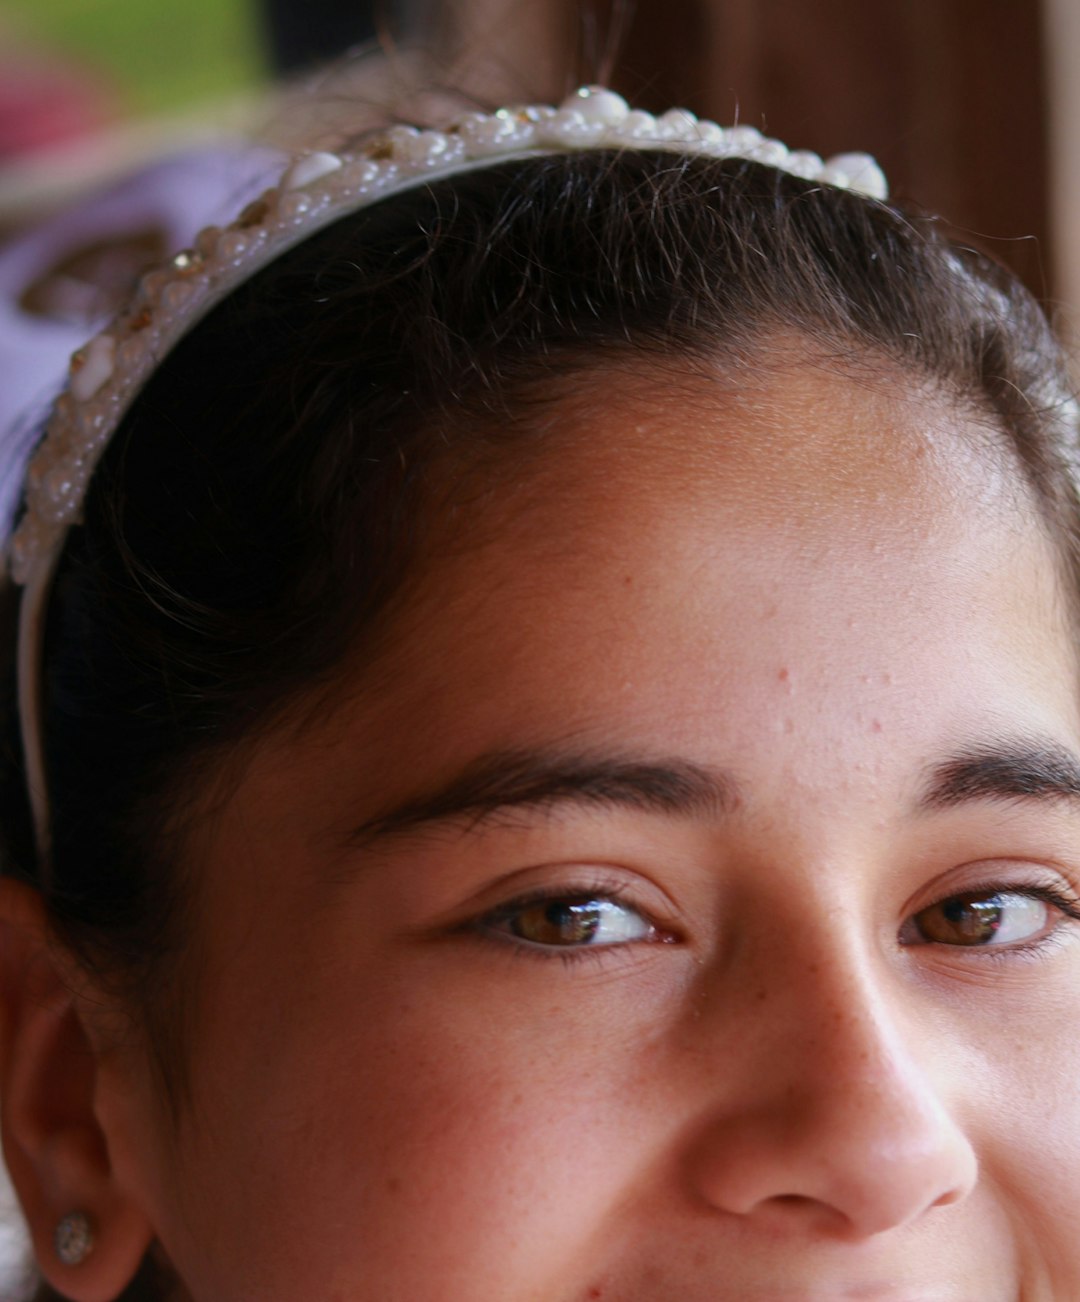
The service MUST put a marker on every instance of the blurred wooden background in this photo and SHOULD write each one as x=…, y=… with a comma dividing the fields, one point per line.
x=950, y=95
x=968, y=104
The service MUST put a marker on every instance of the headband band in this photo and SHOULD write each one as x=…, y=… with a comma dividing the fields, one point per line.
x=109, y=372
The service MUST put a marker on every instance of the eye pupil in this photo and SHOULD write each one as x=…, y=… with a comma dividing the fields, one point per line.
x=974, y=919
x=559, y=922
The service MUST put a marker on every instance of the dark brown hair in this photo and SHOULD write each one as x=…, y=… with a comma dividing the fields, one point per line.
x=265, y=498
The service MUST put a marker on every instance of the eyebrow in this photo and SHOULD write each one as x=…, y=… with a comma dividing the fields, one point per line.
x=502, y=781
x=536, y=779
x=1020, y=769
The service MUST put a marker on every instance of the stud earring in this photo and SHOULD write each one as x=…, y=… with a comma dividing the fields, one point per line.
x=74, y=1238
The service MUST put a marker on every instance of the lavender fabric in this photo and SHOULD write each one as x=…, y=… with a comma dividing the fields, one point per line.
x=179, y=195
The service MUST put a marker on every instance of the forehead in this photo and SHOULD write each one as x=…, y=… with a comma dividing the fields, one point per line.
x=793, y=437
x=785, y=462
x=704, y=522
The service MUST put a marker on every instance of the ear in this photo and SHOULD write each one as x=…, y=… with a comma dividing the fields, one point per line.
x=56, y=1148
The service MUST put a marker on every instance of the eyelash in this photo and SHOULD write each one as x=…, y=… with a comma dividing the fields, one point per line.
x=1064, y=901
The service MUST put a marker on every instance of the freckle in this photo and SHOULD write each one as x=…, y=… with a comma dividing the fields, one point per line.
x=784, y=675
x=393, y=1185
x=789, y=725
x=761, y=996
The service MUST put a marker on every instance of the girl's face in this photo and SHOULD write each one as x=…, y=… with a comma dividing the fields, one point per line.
x=682, y=907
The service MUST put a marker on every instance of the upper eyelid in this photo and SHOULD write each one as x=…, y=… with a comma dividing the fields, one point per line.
x=1006, y=873
x=1057, y=892
x=1066, y=902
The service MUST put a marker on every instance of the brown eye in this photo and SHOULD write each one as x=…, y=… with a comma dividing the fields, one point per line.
x=576, y=921
x=982, y=918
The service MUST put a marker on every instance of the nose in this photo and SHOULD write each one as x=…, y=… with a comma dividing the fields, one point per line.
x=837, y=1119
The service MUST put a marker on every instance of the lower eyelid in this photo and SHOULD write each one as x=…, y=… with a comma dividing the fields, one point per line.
x=1025, y=951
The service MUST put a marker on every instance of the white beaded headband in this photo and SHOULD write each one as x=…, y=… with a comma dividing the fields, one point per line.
x=108, y=373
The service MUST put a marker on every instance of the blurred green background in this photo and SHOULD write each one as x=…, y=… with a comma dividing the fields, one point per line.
x=156, y=55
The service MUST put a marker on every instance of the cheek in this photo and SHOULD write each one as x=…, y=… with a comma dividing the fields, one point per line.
x=412, y=1129
x=1022, y=1097
x=1014, y=1064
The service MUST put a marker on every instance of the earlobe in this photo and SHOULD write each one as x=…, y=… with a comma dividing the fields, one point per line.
x=56, y=1149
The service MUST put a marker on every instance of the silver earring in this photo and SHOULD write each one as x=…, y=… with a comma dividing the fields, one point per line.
x=74, y=1238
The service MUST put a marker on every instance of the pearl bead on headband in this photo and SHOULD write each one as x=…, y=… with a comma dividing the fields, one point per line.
x=316, y=190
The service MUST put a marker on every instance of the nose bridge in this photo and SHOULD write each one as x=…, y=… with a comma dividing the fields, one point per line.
x=859, y=1058
x=833, y=1001
x=837, y=1111
x=831, y=1036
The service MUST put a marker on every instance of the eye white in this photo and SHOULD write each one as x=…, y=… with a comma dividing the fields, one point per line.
x=617, y=924
x=1022, y=917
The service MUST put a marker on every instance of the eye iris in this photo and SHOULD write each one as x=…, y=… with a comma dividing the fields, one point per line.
x=559, y=922
x=965, y=920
